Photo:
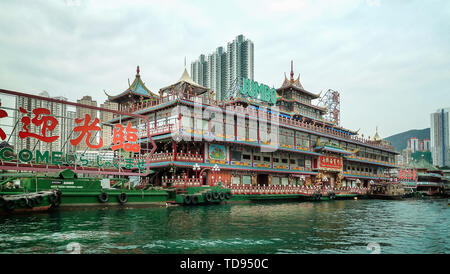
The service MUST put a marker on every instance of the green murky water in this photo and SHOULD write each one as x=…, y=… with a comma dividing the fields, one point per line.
x=409, y=226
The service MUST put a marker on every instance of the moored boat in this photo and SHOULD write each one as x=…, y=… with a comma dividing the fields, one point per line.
x=387, y=190
x=29, y=202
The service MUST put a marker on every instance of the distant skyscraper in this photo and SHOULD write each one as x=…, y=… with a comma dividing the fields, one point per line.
x=57, y=110
x=220, y=69
x=427, y=145
x=104, y=117
x=413, y=144
x=81, y=113
x=440, y=138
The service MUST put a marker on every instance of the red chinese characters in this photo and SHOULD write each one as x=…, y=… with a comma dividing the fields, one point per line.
x=86, y=129
x=2, y=115
x=407, y=174
x=47, y=122
x=330, y=162
x=119, y=138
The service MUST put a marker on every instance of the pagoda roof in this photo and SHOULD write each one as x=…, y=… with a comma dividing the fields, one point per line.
x=422, y=164
x=137, y=88
x=186, y=79
x=295, y=84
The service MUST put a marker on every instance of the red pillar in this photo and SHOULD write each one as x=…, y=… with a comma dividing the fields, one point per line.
x=174, y=150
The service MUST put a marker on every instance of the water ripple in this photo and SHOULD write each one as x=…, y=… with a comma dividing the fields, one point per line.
x=410, y=226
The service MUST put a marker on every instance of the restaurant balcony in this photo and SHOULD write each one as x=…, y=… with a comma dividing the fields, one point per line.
x=164, y=129
x=310, y=126
x=169, y=156
x=240, y=189
x=166, y=99
x=259, y=113
x=180, y=182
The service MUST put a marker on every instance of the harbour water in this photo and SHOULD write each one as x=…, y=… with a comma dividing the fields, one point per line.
x=351, y=226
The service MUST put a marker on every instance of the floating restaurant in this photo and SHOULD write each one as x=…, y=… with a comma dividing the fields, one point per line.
x=186, y=148
x=258, y=141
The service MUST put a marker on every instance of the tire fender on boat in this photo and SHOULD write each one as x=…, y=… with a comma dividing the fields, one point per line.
x=187, y=199
x=123, y=198
x=208, y=196
x=103, y=197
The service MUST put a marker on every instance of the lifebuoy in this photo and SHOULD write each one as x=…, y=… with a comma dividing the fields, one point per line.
x=208, y=196
x=215, y=195
x=103, y=197
x=123, y=198
x=332, y=196
x=194, y=199
x=228, y=195
x=221, y=196
x=187, y=199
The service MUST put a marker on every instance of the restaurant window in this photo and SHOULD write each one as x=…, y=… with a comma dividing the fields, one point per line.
x=235, y=155
x=246, y=157
x=266, y=159
x=256, y=157
x=275, y=180
x=284, y=161
x=236, y=180
x=246, y=180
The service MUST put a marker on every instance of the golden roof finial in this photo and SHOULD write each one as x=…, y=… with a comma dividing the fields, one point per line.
x=376, y=137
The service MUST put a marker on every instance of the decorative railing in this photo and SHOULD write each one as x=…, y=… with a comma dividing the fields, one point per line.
x=165, y=99
x=293, y=189
x=168, y=156
x=370, y=160
x=180, y=182
x=361, y=173
x=160, y=130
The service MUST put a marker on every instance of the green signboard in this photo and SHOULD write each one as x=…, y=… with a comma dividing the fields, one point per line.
x=58, y=158
x=262, y=92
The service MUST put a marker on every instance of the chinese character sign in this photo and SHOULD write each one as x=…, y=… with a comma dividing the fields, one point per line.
x=86, y=129
x=119, y=138
x=2, y=115
x=407, y=174
x=46, y=121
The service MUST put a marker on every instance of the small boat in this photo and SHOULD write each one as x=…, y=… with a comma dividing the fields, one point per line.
x=29, y=202
x=431, y=184
x=387, y=190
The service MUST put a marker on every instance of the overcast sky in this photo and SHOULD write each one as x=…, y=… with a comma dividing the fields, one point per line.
x=390, y=60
